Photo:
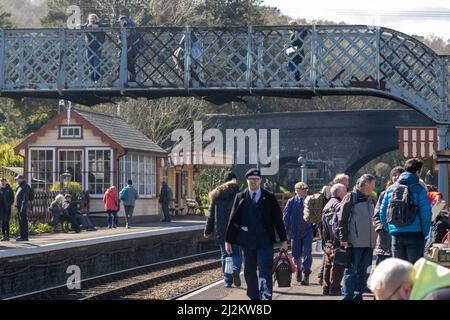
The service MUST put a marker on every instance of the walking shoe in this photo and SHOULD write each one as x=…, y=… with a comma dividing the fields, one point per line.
x=236, y=278
x=21, y=239
x=228, y=285
x=320, y=281
x=127, y=226
x=114, y=226
x=305, y=280
x=337, y=293
x=299, y=276
x=325, y=291
x=109, y=227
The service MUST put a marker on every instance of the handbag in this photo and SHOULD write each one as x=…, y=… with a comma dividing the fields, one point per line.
x=283, y=267
x=341, y=258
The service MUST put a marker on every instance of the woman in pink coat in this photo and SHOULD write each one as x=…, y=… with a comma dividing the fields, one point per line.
x=110, y=200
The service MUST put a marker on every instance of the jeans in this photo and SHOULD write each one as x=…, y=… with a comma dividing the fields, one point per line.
x=302, y=250
x=112, y=218
x=71, y=219
x=128, y=214
x=410, y=247
x=165, y=212
x=23, y=224
x=259, y=287
x=356, y=274
x=295, y=69
x=94, y=62
x=131, y=65
x=237, y=261
x=379, y=259
x=5, y=222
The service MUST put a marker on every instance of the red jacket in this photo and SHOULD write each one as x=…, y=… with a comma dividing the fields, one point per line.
x=110, y=199
x=433, y=195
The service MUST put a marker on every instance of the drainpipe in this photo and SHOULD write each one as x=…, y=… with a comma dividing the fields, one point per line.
x=118, y=174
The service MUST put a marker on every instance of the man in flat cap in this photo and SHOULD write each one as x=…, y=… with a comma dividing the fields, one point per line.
x=21, y=202
x=255, y=221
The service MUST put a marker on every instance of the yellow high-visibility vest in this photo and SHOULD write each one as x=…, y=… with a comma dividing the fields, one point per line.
x=428, y=277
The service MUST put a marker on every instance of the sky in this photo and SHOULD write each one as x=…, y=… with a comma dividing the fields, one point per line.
x=419, y=17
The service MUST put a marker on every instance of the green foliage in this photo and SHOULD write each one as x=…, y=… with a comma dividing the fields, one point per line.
x=33, y=228
x=5, y=20
x=284, y=190
x=8, y=158
x=230, y=12
x=73, y=188
x=16, y=120
x=206, y=181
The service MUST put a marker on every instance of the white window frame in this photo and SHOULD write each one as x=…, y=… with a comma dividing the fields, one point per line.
x=30, y=173
x=69, y=136
x=82, y=163
x=86, y=177
x=123, y=177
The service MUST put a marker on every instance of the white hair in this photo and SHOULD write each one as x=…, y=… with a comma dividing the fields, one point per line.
x=390, y=274
x=336, y=188
x=59, y=198
x=340, y=177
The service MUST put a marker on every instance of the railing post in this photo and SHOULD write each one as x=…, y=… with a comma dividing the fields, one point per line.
x=22, y=54
x=62, y=65
x=444, y=87
x=187, y=58
x=123, y=74
x=378, y=56
x=248, y=76
x=313, y=73
x=2, y=59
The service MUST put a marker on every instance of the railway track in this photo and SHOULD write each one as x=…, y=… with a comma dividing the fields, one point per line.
x=130, y=283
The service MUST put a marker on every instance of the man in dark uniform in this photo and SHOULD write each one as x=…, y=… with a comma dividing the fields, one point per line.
x=21, y=202
x=255, y=220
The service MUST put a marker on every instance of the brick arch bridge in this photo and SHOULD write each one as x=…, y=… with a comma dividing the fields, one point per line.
x=332, y=141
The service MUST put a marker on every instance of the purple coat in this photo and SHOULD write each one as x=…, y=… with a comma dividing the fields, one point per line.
x=296, y=227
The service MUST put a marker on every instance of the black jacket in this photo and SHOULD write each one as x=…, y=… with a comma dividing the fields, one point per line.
x=383, y=244
x=8, y=196
x=222, y=199
x=22, y=197
x=71, y=208
x=273, y=217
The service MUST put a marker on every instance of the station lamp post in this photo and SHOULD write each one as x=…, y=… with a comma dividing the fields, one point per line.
x=302, y=161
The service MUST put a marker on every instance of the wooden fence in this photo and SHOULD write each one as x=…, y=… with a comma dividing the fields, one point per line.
x=39, y=206
x=283, y=198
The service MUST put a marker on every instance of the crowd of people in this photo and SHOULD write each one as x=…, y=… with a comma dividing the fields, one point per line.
x=355, y=225
x=63, y=209
x=94, y=40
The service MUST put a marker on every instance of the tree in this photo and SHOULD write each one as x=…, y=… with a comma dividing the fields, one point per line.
x=157, y=119
x=4, y=20
x=230, y=12
x=16, y=120
x=8, y=158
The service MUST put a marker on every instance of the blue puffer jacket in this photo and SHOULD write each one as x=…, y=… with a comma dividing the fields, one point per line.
x=422, y=222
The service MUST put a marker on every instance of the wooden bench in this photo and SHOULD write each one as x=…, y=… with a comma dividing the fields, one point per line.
x=194, y=208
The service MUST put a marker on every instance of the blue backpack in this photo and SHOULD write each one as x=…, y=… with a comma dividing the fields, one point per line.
x=123, y=195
